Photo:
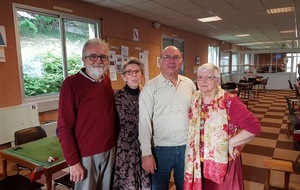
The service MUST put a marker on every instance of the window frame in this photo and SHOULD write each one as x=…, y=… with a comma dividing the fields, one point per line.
x=47, y=102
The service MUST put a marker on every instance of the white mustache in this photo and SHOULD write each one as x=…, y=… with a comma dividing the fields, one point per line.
x=100, y=65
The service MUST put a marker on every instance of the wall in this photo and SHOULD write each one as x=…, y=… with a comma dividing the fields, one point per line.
x=115, y=25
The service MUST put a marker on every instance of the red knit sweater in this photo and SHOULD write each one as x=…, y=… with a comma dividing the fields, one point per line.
x=86, y=117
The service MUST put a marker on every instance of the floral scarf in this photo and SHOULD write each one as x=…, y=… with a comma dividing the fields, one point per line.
x=215, y=142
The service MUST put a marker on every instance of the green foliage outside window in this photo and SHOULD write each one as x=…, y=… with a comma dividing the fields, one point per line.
x=52, y=75
x=27, y=28
x=43, y=50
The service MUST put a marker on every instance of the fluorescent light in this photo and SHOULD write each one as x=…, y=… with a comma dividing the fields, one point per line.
x=286, y=31
x=281, y=10
x=242, y=35
x=250, y=44
x=209, y=19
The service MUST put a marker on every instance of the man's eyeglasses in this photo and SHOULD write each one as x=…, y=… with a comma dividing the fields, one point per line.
x=168, y=58
x=94, y=57
x=208, y=77
x=130, y=72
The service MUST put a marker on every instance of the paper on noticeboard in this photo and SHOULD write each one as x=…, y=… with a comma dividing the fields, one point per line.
x=2, y=55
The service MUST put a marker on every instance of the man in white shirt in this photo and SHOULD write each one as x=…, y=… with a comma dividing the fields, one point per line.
x=163, y=121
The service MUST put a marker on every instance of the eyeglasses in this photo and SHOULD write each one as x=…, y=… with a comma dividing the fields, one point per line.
x=168, y=58
x=94, y=57
x=208, y=77
x=130, y=72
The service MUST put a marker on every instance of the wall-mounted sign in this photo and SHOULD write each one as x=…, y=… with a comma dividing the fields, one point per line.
x=2, y=37
x=136, y=35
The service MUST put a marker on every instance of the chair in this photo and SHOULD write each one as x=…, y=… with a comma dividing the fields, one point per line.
x=252, y=80
x=292, y=114
x=244, y=89
x=229, y=85
x=264, y=83
x=18, y=182
x=297, y=91
x=290, y=106
x=243, y=81
x=64, y=181
x=291, y=86
x=295, y=124
x=27, y=135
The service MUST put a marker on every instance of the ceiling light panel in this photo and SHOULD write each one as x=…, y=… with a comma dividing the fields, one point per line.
x=209, y=19
x=287, y=31
x=281, y=10
x=242, y=35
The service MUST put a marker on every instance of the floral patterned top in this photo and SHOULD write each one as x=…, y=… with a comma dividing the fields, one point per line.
x=211, y=126
x=129, y=174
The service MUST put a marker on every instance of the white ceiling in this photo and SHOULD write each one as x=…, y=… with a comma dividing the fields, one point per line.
x=238, y=17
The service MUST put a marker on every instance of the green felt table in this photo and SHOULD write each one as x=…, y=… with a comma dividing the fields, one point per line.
x=39, y=151
x=34, y=155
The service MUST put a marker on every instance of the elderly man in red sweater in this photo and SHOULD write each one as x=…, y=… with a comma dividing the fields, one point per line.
x=86, y=127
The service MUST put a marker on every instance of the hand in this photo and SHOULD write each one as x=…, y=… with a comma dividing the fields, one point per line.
x=234, y=153
x=148, y=164
x=76, y=172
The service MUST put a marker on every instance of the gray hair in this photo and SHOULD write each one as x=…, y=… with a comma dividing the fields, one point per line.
x=94, y=41
x=133, y=60
x=210, y=67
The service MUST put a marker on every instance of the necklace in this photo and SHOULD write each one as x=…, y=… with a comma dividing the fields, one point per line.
x=133, y=98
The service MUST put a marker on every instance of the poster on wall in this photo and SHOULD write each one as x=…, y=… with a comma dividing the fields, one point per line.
x=2, y=37
x=112, y=66
x=143, y=56
x=2, y=55
x=124, y=51
x=135, y=33
x=119, y=62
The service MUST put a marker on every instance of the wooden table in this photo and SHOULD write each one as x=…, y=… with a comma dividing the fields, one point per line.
x=34, y=155
x=261, y=83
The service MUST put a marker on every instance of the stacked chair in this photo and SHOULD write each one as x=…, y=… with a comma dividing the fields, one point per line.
x=27, y=135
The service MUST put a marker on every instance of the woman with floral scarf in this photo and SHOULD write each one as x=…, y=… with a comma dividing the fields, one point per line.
x=219, y=124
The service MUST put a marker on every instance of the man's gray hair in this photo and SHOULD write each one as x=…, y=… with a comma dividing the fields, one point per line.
x=94, y=41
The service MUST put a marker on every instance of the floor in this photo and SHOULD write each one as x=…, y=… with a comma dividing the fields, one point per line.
x=273, y=142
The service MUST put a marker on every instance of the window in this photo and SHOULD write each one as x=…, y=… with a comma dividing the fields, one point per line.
x=224, y=63
x=179, y=43
x=244, y=63
x=235, y=61
x=213, y=55
x=241, y=63
x=293, y=60
x=50, y=46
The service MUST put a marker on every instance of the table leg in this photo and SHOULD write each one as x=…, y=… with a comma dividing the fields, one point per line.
x=48, y=176
x=4, y=167
x=268, y=180
x=286, y=180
